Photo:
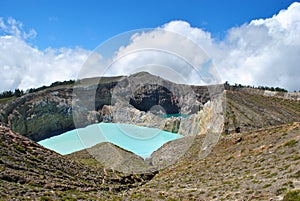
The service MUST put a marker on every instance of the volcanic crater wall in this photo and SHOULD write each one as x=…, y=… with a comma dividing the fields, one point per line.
x=55, y=110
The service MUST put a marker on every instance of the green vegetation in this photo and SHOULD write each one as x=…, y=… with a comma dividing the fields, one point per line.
x=45, y=198
x=297, y=174
x=290, y=143
x=18, y=93
x=9, y=94
x=70, y=82
x=267, y=185
x=19, y=148
x=278, y=89
x=292, y=196
x=7, y=99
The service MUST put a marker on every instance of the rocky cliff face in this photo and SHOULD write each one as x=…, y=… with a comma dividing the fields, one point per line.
x=146, y=100
x=50, y=112
x=148, y=96
x=40, y=115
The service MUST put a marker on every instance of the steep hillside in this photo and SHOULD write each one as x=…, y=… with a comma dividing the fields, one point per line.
x=29, y=171
x=256, y=165
x=112, y=157
x=261, y=164
x=247, y=111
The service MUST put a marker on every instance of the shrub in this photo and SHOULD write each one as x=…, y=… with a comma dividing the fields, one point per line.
x=292, y=196
x=290, y=143
x=20, y=148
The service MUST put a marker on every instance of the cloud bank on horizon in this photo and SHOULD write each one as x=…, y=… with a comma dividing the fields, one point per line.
x=263, y=52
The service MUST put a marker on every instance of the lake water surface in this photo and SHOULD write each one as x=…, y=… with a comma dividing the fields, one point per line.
x=142, y=141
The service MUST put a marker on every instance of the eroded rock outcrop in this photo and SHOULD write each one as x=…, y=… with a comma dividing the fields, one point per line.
x=41, y=114
x=50, y=112
x=146, y=100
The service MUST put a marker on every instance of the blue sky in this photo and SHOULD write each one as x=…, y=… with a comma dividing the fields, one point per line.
x=251, y=42
x=70, y=23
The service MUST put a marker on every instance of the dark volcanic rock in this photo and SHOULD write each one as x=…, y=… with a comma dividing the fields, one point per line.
x=149, y=96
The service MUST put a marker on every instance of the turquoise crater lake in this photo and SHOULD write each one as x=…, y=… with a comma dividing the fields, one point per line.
x=142, y=141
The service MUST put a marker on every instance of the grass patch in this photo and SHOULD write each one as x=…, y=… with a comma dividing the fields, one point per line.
x=296, y=158
x=267, y=185
x=292, y=196
x=290, y=143
x=5, y=100
x=45, y=198
x=68, y=198
x=257, y=165
x=272, y=175
x=297, y=174
x=136, y=196
x=19, y=148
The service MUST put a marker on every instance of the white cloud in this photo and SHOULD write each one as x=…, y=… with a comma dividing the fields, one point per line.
x=23, y=66
x=15, y=28
x=262, y=52
x=164, y=51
